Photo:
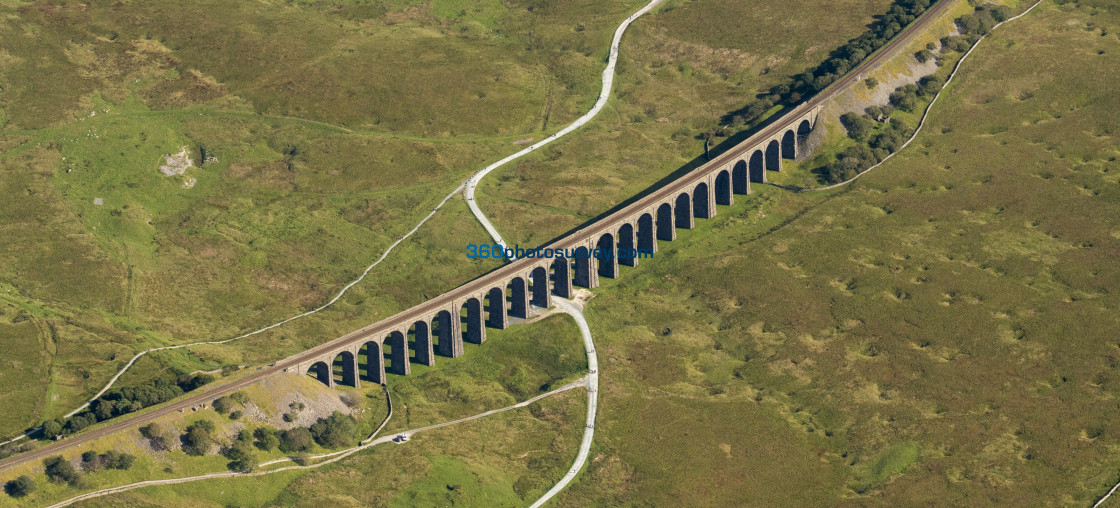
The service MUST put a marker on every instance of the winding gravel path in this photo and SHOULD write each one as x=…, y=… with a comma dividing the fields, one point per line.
x=566, y=306
x=604, y=96
x=573, y=309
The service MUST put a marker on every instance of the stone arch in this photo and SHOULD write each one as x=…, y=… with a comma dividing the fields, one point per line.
x=701, y=204
x=723, y=188
x=757, y=168
x=773, y=156
x=344, y=369
x=683, y=211
x=665, y=229
x=471, y=316
x=495, y=303
x=518, y=298
x=803, y=130
x=396, y=351
x=322, y=372
x=627, y=253
x=449, y=343
x=562, y=277
x=740, y=178
x=647, y=239
x=608, y=261
x=789, y=145
x=583, y=264
x=375, y=362
x=539, y=287
x=421, y=344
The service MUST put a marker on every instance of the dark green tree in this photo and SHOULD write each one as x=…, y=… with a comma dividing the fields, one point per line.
x=20, y=487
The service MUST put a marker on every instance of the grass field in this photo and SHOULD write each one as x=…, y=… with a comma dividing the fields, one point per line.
x=317, y=170
x=503, y=460
x=943, y=331
x=510, y=458
x=680, y=71
x=336, y=128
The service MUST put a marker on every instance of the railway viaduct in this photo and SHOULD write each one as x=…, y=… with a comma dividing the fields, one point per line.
x=441, y=325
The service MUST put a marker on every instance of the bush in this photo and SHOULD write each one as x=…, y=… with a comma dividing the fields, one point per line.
x=223, y=405
x=889, y=140
x=954, y=43
x=858, y=127
x=930, y=85
x=871, y=83
x=52, y=429
x=900, y=126
x=1002, y=13
x=296, y=440
x=89, y=456
x=9, y=449
x=20, y=487
x=905, y=97
x=240, y=396
x=197, y=440
x=336, y=431
x=151, y=431
x=159, y=438
x=241, y=457
x=924, y=55
x=79, y=422
x=976, y=24
x=113, y=460
x=236, y=415
x=59, y=470
x=266, y=438
x=204, y=424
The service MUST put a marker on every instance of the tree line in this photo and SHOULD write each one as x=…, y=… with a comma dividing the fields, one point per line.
x=840, y=61
x=876, y=133
x=120, y=401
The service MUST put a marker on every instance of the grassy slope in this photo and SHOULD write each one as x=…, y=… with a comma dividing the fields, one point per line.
x=514, y=456
x=331, y=143
x=680, y=70
x=944, y=331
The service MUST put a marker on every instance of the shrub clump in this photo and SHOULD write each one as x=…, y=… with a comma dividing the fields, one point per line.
x=197, y=440
x=267, y=438
x=336, y=431
x=20, y=487
x=296, y=440
x=840, y=61
x=241, y=455
x=120, y=401
x=60, y=470
x=875, y=140
x=92, y=461
x=159, y=437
